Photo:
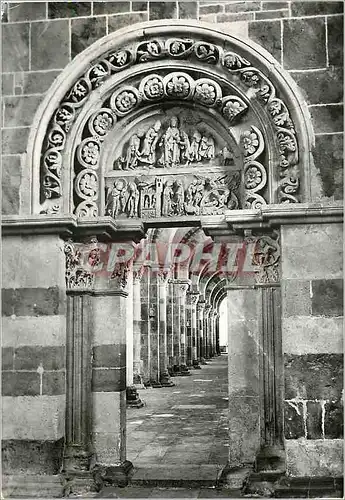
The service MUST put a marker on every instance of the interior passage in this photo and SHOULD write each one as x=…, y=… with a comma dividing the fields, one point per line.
x=185, y=425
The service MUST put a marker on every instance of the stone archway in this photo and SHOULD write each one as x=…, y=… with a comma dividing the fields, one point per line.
x=131, y=137
x=130, y=73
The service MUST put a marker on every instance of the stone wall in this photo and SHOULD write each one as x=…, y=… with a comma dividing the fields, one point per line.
x=312, y=318
x=41, y=38
x=33, y=354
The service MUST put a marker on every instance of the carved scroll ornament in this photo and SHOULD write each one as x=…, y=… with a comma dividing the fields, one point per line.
x=255, y=176
x=154, y=88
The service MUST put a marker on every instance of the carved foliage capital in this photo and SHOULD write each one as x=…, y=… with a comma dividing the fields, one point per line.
x=193, y=298
x=81, y=262
x=119, y=277
x=266, y=257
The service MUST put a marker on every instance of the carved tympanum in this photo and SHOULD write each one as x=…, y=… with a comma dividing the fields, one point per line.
x=154, y=88
x=169, y=146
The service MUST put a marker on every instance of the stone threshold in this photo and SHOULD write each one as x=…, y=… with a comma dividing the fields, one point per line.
x=278, y=485
x=177, y=476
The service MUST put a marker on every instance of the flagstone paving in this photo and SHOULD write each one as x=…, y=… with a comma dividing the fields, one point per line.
x=181, y=432
x=178, y=442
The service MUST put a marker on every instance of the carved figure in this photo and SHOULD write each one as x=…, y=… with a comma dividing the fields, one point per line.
x=115, y=199
x=227, y=156
x=211, y=148
x=133, y=200
x=171, y=141
x=194, y=195
x=185, y=147
x=179, y=198
x=133, y=153
x=200, y=187
x=193, y=153
x=148, y=153
x=207, y=148
x=168, y=194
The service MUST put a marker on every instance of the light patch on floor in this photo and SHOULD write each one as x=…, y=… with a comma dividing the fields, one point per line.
x=164, y=415
x=136, y=422
x=202, y=380
x=192, y=407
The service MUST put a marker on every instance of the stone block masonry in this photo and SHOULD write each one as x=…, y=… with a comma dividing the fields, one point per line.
x=33, y=354
x=41, y=38
x=312, y=316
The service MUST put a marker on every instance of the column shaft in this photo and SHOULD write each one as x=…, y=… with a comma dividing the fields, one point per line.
x=78, y=382
x=137, y=376
x=145, y=328
x=154, y=330
x=200, y=309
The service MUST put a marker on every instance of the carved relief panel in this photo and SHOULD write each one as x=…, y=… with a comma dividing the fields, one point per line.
x=198, y=146
x=172, y=141
x=174, y=162
x=172, y=195
x=223, y=78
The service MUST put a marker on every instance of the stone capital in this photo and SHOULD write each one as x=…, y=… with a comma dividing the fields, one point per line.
x=181, y=286
x=119, y=277
x=208, y=308
x=193, y=298
x=201, y=306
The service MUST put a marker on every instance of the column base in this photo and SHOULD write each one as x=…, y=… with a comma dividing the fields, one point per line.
x=203, y=361
x=84, y=484
x=270, y=458
x=166, y=381
x=171, y=371
x=234, y=478
x=132, y=398
x=114, y=475
x=138, y=381
x=196, y=365
x=184, y=372
x=155, y=384
x=147, y=384
x=76, y=459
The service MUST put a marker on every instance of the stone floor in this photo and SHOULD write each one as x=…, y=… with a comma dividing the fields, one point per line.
x=178, y=441
x=184, y=425
x=150, y=492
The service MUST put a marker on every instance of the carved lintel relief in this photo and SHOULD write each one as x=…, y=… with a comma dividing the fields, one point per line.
x=266, y=257
x=150, y=197
x=176, y=148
